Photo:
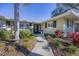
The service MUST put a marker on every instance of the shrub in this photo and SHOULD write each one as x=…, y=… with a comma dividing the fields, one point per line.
x=5, y=35
x=57, y=43
x=58, y=33
x=26, y=34
x=71, y=49
x=49, y=30
x=26, y=45
x=46, y=35
x=74, y=36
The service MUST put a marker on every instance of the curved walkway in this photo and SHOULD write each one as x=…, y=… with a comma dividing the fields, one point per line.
x=41, y=48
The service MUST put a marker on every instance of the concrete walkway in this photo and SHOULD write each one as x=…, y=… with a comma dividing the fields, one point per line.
x=41, y=48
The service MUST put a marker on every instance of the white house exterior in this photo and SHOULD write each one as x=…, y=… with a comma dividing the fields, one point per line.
x=67, y=22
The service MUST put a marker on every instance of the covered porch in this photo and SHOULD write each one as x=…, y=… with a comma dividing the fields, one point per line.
x=71, y=23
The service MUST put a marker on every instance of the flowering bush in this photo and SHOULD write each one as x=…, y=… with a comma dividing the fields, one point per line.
x=74, y=36
x=58, y=33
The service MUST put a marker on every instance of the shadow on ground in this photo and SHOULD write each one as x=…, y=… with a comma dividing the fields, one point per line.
x=25, y=51
x=34, y=54
x=39, y=41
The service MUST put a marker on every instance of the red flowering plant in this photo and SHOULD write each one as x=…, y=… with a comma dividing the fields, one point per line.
x=58, y=33
x=74, y=37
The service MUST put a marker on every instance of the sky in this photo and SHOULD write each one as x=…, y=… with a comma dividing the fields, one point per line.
x=35, y=12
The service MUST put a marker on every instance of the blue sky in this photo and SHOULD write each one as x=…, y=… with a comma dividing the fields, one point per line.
x=33, y=12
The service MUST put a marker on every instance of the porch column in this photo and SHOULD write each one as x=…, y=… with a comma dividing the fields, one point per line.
x=64, y=29
x=74, y=27
x=31, y=27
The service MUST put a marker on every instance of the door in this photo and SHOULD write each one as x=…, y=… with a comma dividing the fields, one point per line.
x=37, y=28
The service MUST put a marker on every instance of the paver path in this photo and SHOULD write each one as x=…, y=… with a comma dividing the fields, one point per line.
x=41, y=48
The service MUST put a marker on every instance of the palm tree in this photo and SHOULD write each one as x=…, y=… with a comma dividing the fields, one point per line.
x=16, y=17
x=72, y=5
x=58, y=10
x=17, y=21
x=63, y=7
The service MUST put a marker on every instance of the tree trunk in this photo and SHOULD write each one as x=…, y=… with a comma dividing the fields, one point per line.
x=16, y=17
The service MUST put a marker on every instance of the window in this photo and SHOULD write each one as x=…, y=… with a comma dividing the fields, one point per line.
x=72, y=24
x=67, y=23
x=54, y=24
x=30, y=24
x=49, y=25
x=1, y=24
x=46, y=25
x=21, y=26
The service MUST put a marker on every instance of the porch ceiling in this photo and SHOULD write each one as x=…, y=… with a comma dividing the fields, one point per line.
x=71, y=16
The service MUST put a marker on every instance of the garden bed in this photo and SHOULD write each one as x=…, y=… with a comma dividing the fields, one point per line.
x=10, y=47
x=59, y=48
x=62, y=52
x=30, y=44
x=13, y=51
x=63, y=46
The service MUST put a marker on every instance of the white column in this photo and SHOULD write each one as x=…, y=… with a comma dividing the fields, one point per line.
x=32, y=28
x=74, y=27
x=64, y=29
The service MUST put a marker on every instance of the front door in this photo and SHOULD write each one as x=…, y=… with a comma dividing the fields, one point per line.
x=37, y=28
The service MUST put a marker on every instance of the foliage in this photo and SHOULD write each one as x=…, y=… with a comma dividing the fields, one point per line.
x=26, y=34
x=64, y=7
x=58, y=33
x=74, y=36
x=72, y=6
x=25, y=45
x=49, y=30
x=57, y=43
x=2, y=45
x=47, y=35
x=5, y=35
x=71, y=49
x=14, y=46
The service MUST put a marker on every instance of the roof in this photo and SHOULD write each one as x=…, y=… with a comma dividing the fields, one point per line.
x=69, y=13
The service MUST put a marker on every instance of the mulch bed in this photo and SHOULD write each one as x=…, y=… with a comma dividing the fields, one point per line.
x=59, y=52
x=14, y=52
x=32, y=44
x=17, y=52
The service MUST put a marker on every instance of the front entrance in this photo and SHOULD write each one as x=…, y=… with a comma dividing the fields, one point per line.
x=37, y=28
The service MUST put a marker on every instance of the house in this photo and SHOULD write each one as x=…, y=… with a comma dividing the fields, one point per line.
x=8, y=24
x=66, y=22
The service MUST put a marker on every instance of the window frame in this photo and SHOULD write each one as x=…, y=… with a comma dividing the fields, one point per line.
x=54, y=24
